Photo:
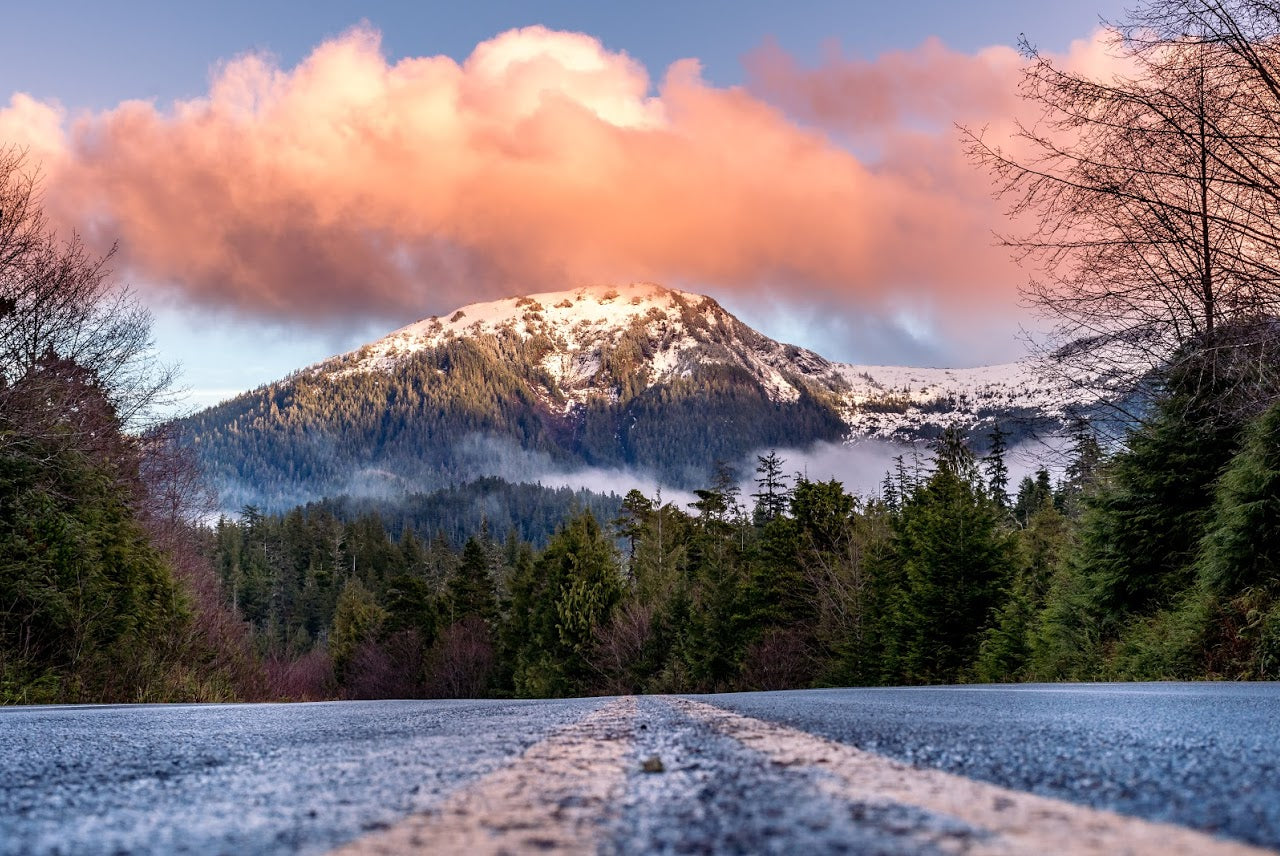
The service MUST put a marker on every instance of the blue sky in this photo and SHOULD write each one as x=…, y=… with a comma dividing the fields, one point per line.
x=90, y=57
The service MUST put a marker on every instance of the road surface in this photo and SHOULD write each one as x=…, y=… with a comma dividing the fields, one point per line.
x=1167, y=768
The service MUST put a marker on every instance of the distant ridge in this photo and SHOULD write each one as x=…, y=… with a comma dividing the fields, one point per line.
x=631, y=376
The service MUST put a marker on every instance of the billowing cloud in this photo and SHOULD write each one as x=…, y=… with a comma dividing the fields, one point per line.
x=350, y=186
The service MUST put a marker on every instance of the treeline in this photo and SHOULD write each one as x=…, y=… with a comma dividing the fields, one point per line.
x=1151, y=201
x=942, y=577
x=532, y=511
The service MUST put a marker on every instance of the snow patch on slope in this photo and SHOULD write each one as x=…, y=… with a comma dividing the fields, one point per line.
x=681, y=331
x=583, y=325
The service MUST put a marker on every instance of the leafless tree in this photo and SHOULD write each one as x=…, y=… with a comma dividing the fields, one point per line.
x=782, y=659
x=619, y=645
x=175, y=497
x=59, y=306
x=1151, y=199
x=461, y=661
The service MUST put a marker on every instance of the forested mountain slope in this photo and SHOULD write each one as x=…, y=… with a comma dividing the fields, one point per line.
x=637, y=376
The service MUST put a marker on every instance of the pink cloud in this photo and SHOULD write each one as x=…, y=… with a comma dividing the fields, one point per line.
x=860, y=96
x=352, y=186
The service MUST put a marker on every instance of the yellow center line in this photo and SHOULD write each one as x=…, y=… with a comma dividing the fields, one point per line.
x=557, y=797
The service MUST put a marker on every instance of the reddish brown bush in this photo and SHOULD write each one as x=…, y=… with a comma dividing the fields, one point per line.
x=619, y=649
x=782, y=660
x=461, y=661
x=305, y=678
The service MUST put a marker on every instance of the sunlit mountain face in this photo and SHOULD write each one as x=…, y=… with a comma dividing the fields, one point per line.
x=636, y=377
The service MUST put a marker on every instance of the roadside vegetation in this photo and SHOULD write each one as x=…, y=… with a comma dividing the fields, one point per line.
x=1148, y=204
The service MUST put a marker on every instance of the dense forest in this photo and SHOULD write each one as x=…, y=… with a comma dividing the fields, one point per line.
x=942, y=577
x=103, y=593
x=532, y=511
x=1152, y=201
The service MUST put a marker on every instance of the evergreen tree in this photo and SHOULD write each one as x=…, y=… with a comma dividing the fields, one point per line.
x=1241, y=545
x=557, y=604
x=1086, y=458
x=1141, y=530
x=471, y=590
x=358, y=619
x=718, y=503
x=633, y=515
x=88, y=602
x=956, y=561
x=660, y=566
x=772, y=494
x=996, y=469
x=1008, y=646
x=1033, y=494
x=889, y=493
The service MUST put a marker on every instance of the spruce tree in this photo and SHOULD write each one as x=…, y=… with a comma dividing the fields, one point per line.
x=956, y=561
x=1140, y=530
x=471, y=590
x=772, y=494
x=557, y=604
x=358, y=620
x=632, y=516
x=996, y=469
x=1033, y=494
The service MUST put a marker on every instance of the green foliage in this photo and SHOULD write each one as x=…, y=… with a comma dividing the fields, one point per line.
x=1241, y=544
x=470, y=589
x=955, y=561
x=358, y=618
x=558, y=602
x=935, y=581
x=1166, y=645
x=1033, y=495
x=997, y=471
x=91, y=609
x=1140, y=530
x=771, y=500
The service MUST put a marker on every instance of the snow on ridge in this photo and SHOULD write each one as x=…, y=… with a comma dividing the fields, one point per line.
x=595, y=305
x=686, y=330
x=895, y=402
x=582, y=322
x=575, y=318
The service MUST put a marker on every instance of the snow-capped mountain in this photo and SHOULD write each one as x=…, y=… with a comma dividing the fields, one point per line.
x=614, y=376
x=677, y=332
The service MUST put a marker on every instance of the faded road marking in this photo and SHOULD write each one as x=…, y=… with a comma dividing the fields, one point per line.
x=1017, y=822
x=555, y=798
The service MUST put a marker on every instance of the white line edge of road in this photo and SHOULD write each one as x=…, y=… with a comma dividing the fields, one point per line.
x=1017, y=822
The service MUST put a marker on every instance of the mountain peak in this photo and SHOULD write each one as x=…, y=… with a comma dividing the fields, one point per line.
x=606, y=375
x=580, y=325
x=592, y=304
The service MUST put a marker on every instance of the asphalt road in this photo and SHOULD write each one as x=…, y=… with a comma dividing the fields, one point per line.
x=307, y=778
x=1204, y=755
x=244, y=779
